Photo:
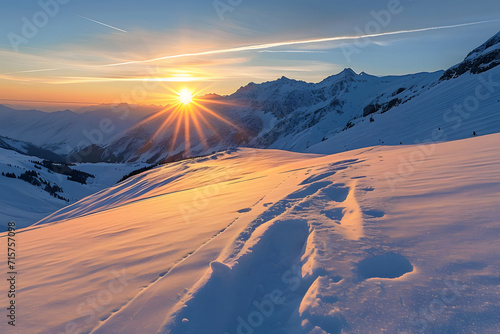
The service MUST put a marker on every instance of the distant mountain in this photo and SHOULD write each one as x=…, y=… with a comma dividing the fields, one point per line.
x=29, y=149
x=285, y=113
x=62, y=132
x=343, y=112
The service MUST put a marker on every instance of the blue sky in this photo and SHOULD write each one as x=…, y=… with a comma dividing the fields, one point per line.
x=65, y=60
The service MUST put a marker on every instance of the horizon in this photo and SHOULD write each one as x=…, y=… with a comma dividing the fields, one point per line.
x=61, y=54
x=81, y=105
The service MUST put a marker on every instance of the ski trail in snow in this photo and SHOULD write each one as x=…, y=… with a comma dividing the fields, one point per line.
x=312, y=185
x=286, y=201
x=179, y=262
x=162, y=275
x=242, y=266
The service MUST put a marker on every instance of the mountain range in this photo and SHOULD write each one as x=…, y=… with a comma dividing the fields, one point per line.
x=343, y=112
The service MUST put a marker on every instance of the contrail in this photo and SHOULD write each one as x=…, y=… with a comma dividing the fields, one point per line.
x=104, y=24
x=308, y=41
x=31, y=71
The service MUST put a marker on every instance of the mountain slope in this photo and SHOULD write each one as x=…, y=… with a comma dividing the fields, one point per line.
x=28, y=200
x=285, y=114
x=29, y=149
x=295, y=115
x=277, y=242
x=453, y=109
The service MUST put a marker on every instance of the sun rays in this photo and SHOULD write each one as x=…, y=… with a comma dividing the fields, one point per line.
x=188, y=121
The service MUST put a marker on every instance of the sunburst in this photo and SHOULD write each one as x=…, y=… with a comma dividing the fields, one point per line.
x=185, y=96
x=188, y=113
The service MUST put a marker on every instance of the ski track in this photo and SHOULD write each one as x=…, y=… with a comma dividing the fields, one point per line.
x=184, y=258
x=283, y=221
x=319, y=186
x=161, y=276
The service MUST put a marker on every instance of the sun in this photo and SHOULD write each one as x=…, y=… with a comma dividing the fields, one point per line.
x=190, y=114
x=185, y=96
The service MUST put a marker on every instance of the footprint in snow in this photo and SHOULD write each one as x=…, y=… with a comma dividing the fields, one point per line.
x=388, y=265
x=309, y=190
x=245, y=210
x=334, y=214
x=336, y=192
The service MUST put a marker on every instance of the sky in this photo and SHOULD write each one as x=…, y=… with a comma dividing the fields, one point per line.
x=58, y=54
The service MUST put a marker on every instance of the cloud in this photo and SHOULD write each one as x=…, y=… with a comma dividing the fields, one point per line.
x=257, y=47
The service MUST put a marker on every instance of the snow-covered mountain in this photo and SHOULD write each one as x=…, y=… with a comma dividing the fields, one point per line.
x=344, y=111
x=29, y=149
x=270, y=114
x=480, y=60
x=66, y=131
x=273, y=242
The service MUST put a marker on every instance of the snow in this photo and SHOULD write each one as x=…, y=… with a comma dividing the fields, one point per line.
x=26, y=203
x=268, y=241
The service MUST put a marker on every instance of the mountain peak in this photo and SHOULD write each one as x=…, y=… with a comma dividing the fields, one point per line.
x=492, y=42
x=481, y=59
x=348, y=72
x=4, y=107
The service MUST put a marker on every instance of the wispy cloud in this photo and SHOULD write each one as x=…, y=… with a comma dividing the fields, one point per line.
x=101, y=23
x=257, y=47
x=70, y=80
x=43, y=101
